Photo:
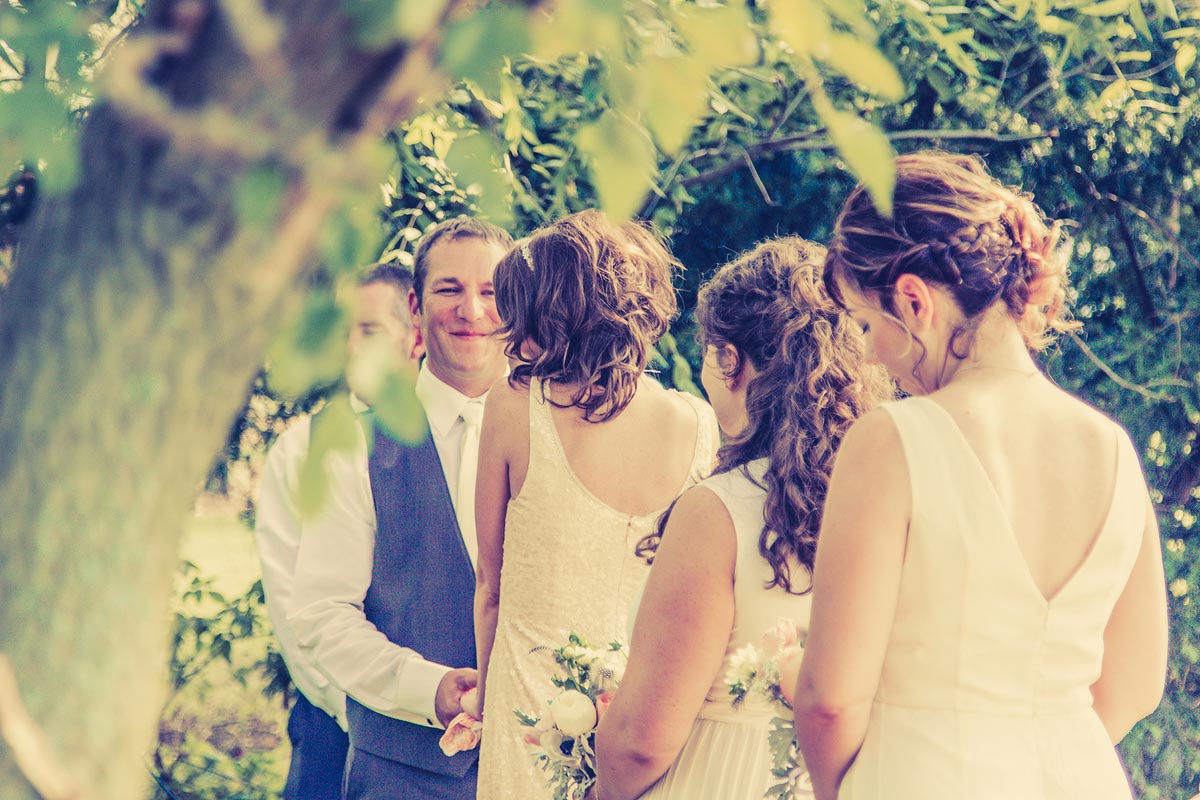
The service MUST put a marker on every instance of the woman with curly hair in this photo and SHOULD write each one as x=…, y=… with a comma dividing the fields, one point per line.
x=989, y=610
x=580, y=454
x=783, y=367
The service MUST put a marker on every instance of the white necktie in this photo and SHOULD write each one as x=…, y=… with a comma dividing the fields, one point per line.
x=468, y=465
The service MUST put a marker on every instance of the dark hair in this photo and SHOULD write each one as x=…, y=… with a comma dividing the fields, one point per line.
x=395, y=276
x=955, y=226
x=593, y=296
x=811, y=385
x=460, y=227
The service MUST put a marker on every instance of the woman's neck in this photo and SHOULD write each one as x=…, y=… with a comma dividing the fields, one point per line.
x=998, y=349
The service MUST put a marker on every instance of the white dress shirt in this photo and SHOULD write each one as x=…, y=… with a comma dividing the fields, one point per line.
x=333, y=573
x=277, y=533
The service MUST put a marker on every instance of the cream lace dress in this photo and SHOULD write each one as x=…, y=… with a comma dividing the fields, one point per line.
x=569, y=565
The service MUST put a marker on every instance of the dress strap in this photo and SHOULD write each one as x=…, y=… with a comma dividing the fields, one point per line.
x=704, y=456
x=545, y=451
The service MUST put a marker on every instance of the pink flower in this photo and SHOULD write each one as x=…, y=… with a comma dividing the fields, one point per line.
x=461, y=734
x=782, y=636
x=532, y=738
x=789, y=671
x=602, y=703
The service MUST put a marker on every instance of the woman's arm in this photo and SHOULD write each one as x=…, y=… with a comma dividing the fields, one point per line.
x=679, y=642
x=491, y=502
x=1135, y=642
x=855, y=585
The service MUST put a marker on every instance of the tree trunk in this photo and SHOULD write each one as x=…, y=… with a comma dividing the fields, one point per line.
x=139, y=309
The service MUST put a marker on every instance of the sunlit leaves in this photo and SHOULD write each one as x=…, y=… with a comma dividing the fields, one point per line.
x=397, y=408
x=259, y=195
x=335, y=429
x=311, y=349
x=869, y=154
x=623, y=162
x=863, y=64
x=476, y=162
x=576, y=26
x=1185, y=57
x=476, y=44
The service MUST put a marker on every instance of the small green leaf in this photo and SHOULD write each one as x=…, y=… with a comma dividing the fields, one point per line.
x=677, y=94
x=1185, y=57
x=414, y=18
x=868, y=153
x=335, y=429
x=574, y=26
x=397, y=408
x=476, y=46
x=1056, y=26
x=863, y=64
x=1113, y=92
x=1106, y=8
x=803, y=24
x=1137, y=17
x=259, y=194
x=719, y=35
x=310, y=351
x=622, y=162
x=476, y=164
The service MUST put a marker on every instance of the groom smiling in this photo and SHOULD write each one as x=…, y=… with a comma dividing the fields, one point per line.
x=385, y=575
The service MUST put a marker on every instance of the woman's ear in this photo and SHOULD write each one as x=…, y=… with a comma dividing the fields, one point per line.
x=914, y=300
x=730, y=362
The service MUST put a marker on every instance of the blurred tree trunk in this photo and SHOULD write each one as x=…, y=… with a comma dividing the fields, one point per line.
x=139, y=309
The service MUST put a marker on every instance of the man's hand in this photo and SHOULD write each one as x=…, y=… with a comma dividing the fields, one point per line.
x=447, y=703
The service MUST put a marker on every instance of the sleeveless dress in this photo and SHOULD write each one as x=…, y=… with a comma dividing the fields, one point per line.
x=569, y=566
x=726, y=756
x=985, y=693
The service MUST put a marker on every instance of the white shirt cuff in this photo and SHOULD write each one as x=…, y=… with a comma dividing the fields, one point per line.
x=421, y=681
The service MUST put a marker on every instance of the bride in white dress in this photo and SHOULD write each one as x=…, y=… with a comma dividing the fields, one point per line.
x=783, y=370
x=990, y=613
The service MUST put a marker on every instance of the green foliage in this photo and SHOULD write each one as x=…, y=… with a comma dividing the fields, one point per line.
x=215, y=765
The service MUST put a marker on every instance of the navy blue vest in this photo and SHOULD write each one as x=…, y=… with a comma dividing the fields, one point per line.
x=421, y=595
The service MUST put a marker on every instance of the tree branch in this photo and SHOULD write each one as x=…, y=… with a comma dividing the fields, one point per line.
x=1112, y=374
x=28, y=744
x=809, y=141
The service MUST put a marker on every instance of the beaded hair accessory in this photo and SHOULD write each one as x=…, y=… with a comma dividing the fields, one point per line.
x=527, y=255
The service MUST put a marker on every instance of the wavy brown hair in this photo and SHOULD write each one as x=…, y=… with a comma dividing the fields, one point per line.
x=811, y=385
x=955, y=226
x=592, y=296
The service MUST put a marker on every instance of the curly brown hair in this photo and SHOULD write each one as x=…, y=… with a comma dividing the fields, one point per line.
x=811, y=385
x=956, y=226
x=583, y=302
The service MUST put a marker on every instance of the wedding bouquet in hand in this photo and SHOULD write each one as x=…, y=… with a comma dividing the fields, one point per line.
x=563, y=736
x=770, y=671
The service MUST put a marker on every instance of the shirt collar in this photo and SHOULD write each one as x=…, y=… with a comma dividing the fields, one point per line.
x=443, y=403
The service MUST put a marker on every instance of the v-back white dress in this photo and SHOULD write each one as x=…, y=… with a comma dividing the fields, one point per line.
x=569, y=566
x=985, y=692
x=726, y=756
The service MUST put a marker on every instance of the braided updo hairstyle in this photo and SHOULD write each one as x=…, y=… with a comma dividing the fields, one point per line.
x=811, y=384
x=955, y=226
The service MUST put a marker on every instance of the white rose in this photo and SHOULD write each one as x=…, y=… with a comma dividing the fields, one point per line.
x=574, y=713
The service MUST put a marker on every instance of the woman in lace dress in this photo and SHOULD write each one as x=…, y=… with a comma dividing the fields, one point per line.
x=580, y=453
x=784, y=370
x=989, y=613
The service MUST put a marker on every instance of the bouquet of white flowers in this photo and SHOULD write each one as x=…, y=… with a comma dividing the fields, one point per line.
x=770, y=671
x=563, y=737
